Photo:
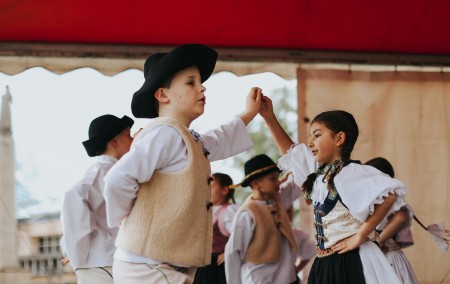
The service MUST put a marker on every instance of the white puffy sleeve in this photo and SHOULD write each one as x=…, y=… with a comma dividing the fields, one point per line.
x=361, y=187
x=300, y=161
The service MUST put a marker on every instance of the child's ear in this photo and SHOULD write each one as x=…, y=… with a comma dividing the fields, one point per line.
x=340, y=138
x=114, y=143
x=254, y=184
x=161, y=96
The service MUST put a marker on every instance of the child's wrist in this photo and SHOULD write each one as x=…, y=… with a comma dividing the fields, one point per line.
x=270, y=119
x=246, y=117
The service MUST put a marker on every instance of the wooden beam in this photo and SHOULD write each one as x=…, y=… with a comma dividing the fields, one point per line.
x=225, y=54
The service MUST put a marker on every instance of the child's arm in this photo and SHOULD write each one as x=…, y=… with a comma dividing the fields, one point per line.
x=253, y=105
x=282, y=139
x=396, y=222
x=367, y=227
x=237, y=245
x=289, y=191
x=77, y=225
x=301, y=265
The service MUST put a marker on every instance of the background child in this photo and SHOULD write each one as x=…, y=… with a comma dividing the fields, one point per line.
x=345, y=214
x=159, y=192
x=223, y=213
x=393, y=230
x=87, y=240
x=261, y=246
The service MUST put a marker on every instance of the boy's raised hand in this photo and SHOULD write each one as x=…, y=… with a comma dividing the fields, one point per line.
x=254, y=100
x=253, y=103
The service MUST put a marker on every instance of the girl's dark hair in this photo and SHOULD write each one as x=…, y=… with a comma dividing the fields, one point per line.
x=225, y=180
x=382, y=165
x=336, y=121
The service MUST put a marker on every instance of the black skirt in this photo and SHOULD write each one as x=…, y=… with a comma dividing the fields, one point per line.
x=337, y=268
x=211, y=274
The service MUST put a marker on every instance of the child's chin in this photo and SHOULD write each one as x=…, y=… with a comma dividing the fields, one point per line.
x=197, y=115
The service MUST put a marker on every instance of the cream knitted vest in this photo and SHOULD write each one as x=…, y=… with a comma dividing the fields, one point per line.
x=170, y=220
x=271, y=223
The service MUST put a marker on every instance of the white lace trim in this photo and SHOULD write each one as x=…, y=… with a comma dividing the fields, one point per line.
x=398, y=204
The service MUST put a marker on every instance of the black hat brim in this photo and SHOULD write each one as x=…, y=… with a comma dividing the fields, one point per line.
x=143, y=104
x=246, y=182
x=94, y=144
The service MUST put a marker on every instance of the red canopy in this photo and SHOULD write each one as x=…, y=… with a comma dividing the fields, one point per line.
x=401, y=26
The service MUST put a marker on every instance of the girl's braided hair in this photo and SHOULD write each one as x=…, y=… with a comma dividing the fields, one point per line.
x=336, y=121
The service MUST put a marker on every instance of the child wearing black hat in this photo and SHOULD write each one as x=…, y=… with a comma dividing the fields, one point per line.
x=88, y=241
x=159, y=193
x=261, y=247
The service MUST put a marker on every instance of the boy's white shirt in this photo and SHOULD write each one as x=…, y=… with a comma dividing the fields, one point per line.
x=162, y=149
x=306, y=246
x=237, y=270
x=87, y=240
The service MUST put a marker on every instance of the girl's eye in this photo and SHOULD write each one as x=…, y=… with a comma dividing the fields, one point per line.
x=317, y=136
x=190, y=82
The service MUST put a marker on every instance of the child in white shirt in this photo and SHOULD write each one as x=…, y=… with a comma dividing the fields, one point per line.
x=87, y=240
x=159, y=192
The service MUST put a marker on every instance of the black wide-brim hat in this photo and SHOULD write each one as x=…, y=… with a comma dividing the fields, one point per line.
x=161, y=66
x=256, y=167
x=104, y=128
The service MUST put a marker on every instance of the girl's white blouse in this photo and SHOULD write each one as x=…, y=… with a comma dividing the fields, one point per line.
x=360, y=187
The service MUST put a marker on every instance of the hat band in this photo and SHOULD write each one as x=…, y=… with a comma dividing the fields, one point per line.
x=258, y=171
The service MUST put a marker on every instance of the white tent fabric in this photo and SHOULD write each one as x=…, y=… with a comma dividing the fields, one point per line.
x=12, y=65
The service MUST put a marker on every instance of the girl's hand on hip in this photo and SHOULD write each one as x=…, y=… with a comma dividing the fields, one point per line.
x=348, y=244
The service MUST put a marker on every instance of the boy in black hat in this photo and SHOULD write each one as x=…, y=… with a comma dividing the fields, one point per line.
x=88, y=242
x=261, y=246
x=159, y=193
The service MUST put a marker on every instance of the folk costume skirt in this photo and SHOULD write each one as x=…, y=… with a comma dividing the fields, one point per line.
x=212, y=273
x=337, y=269
x=366, y=264
x=402, y=267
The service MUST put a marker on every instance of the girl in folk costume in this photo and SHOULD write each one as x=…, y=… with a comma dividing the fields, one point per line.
x=349, y=199
x=261, y=247
x=223, y=213
x=395, y=232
